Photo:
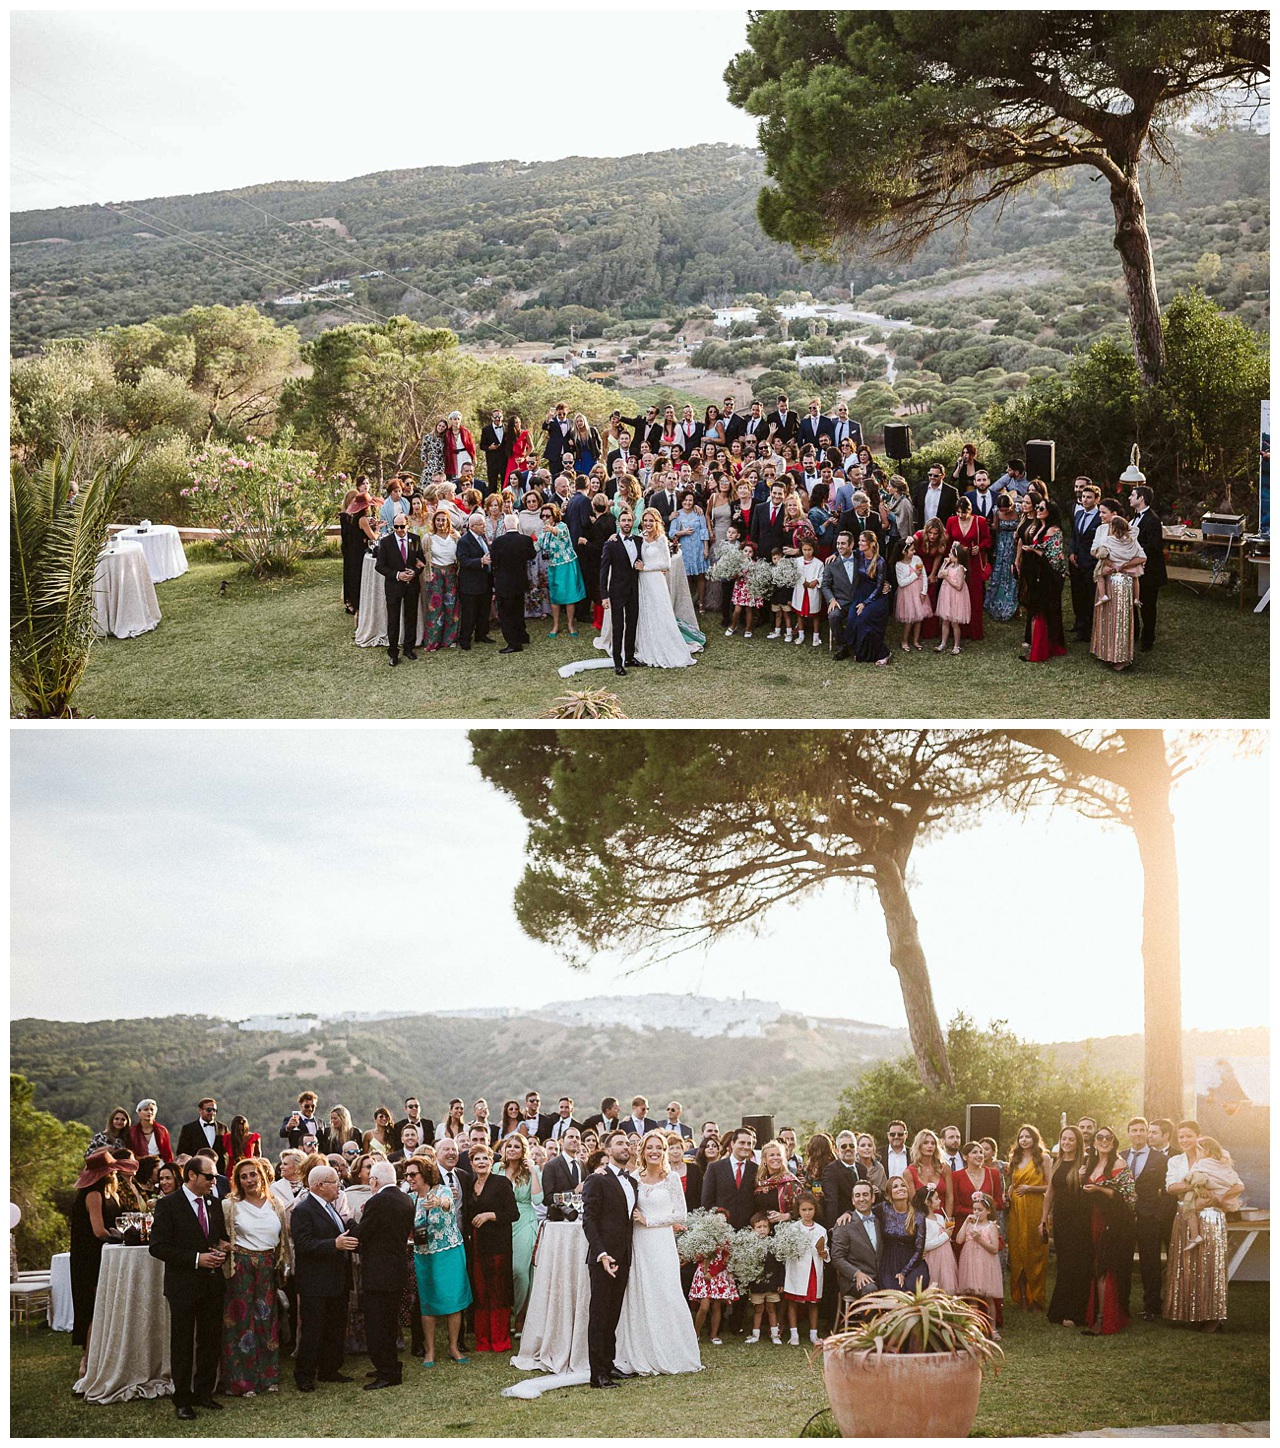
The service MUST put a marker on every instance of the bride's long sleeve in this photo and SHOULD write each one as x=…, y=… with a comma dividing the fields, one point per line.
x=676, y=1212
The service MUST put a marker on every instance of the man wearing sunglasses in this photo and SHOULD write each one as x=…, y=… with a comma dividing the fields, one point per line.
x=400, y=561
x=205, y=1132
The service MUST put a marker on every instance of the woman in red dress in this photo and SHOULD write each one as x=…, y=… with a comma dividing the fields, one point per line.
x=927, y=1168
x=932, y=547
x=967, y=527
x=521, y=450
x=239, y=1142
x=1109, y=1189
x=974, y=1178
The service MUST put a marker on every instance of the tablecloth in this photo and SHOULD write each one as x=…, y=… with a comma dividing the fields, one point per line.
x=555, y=1324
x=129, y=1344
x=124, y=597
x=62, y=1315
x=371, y=621
x=162, y=544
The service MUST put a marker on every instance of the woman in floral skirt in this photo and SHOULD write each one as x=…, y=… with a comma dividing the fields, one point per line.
x=439, y=607
x=259, y=1255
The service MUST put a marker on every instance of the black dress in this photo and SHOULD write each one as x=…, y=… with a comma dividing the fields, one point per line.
x=601, y=528
x=353, y=551
x=489, y=1254
x=1073, y=1248
x=86, y=1257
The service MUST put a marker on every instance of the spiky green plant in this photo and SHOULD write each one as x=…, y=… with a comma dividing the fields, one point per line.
x=586, y=704
x=53, y=556
x=926, y=1320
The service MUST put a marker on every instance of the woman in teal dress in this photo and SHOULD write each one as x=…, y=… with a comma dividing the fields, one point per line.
x=517, y=1166
x=439, y=1258
x=564, y=577
x=1002, y=586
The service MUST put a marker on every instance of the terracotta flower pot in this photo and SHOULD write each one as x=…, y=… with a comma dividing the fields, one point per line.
x=902, y=1395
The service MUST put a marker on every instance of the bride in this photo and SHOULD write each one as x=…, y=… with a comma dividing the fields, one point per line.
x=655, y=1331
x=660, y=640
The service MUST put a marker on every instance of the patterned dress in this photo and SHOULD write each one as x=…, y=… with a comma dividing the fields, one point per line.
x=1002, y=586
x=440, y=1264
x=439, y=607
x=902, y=1251
x=1112, y=1231
x=432, y=457
x=564, y=574
x=250, y=1317
x=691, y=547
x=714, y=1280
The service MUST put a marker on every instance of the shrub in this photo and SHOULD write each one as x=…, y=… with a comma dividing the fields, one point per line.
x=155, y=486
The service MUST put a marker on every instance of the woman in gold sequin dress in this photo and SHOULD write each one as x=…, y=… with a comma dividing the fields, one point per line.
x=1206, y=1186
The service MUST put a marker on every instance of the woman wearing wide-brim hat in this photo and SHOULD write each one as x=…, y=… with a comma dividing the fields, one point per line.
x=94, y=1212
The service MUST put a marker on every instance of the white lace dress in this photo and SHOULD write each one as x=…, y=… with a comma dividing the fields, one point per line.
x=659, y=642
x=655, y=1331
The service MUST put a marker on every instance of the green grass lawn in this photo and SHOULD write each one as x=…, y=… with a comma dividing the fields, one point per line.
x=1053, y=1381
x=285, y=650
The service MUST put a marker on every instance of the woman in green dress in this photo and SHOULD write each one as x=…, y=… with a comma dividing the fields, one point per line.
x=439, y=1257
x=517, y=1166
x=564, y=576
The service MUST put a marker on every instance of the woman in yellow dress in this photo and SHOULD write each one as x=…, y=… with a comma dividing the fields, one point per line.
x=1028, y=1176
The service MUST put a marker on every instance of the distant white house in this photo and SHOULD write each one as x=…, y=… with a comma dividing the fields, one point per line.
x=557, y=369
x=805, y=363
x=340, y=285
x=292, y=300
x=291, y=1024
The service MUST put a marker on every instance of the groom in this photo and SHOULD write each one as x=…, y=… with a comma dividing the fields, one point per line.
x=608, y=1200
x=620, y=591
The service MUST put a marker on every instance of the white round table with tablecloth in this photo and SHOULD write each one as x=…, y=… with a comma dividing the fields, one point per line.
x=162, y=543
x=124, y=597
x=129, y=1344
x=62, y=1312
x=371, y=620
x=555, y=1324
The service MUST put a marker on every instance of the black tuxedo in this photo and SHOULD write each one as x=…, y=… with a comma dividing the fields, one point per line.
x=496, y=453
x=557, y=435
x=784, y=429
x=294, y=1135
x=511, y=554
x=597, y=1123
x=720, y=1191
x=192, y=1139
x=1154, y=573
x=402, y=598
x=606, y=1220
x=636, y=427
x=1083, y=529
x=946, y=503
x=475, y=588
x=735, y=424
x=556, y=1177
x=757, y=427
x=812, y=428
x=540, y=1126
x=426, y=1130
x=194, y=1293
x=322, y=1277
x=620, y=584
x=385, y=1226
x=838, y=1182
x=1150, y=1211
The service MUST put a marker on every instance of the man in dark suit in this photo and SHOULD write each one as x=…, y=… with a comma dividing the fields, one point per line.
x=221, y=1188
x=511, y=553
x=1161, y=1137
x=856, y=1246
x=205, y=1131
x=662, y=495
x=1148, y=1166
x=322, y=1247
x=839, y=580
x=400, y=561
x=935, y=499
x=815, y=426
x=537, y=1122
x=620, y=592
x=1154, y=575
x=981, y=497
x=673, y=1122
x=189, y=1237
x=842, y=429
x=639, y=429
x=860, y=519
x=496, y=443
x=689, y=431
x=730, y=1183
x=767, y=530
x=475, y=584
x=562, y=1120
x=385, y=1226
x=1084, y=524
x=608, y=1201
x=734, y=421
x=563, y=1173
x=607, y=1119
x=755, y=424
x=639, y=1121
x=301, y=1122
x=557, y=428
x=839, y=1178
x=784, y=425
x=413, y=1117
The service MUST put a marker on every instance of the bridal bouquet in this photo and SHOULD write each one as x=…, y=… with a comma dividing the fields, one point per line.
x=747, y=1252
x=731, y=563
x=704, y=1235
x=790, y=1242
x=786, y=574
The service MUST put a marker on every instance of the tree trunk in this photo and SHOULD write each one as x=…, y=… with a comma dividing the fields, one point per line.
x=1133, y=242
x=906, y=955
x=1152, y=823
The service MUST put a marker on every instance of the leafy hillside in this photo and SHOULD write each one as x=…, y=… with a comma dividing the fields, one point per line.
x=506, y=249
x=81, y=1071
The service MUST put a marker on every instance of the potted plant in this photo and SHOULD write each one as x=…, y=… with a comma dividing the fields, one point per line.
x=910, y=1367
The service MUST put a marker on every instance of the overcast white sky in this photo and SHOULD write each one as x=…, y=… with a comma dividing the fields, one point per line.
x=160, y=871
x=177, y=101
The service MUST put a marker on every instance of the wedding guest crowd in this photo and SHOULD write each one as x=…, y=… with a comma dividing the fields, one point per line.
x=772, y=518
x=360, y=1242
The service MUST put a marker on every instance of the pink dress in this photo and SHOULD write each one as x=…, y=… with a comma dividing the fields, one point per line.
x=953, y=595
x=978, y=1271
x=939, y=1256
x=912, y=602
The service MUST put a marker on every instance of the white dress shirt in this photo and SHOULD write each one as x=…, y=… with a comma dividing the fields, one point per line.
x=932, y=497
x=895, y=1163
x=869, y=1222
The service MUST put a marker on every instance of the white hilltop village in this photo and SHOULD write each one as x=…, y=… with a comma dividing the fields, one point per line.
x=703, y=1017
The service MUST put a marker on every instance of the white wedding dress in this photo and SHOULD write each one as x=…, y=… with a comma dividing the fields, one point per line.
x=660, y=641
x=655, y=1331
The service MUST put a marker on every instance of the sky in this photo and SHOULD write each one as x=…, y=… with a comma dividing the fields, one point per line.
x=129, y=105
x=233, y=872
